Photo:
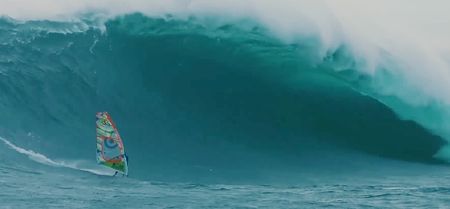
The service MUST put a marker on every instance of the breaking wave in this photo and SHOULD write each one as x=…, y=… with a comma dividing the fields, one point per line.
x=195, y=89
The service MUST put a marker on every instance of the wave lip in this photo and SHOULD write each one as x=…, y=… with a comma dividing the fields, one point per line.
x=220, y=87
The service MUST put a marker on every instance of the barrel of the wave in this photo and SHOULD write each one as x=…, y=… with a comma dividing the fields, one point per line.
x=110, y=149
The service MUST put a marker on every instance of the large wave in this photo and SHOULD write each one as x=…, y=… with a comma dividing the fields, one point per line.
x=195, y=85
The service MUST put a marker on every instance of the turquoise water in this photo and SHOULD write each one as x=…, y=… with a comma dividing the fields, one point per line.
x=212, y=114
x=55, y=188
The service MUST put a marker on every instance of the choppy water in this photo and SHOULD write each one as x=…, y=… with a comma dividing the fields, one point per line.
x=217, y=112
x=44, y=189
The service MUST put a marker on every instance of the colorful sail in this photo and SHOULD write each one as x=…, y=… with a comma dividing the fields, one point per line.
x=110, y=149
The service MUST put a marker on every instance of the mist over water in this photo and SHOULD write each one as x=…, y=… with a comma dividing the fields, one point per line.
x=344, y=97
x=401, y=46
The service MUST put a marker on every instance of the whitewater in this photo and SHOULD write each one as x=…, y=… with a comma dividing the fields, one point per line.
x=226, y=104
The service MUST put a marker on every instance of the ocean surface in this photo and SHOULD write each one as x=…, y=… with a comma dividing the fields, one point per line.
x=227, y=105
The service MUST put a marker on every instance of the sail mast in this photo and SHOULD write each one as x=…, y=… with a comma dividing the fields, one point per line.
x=110, y=148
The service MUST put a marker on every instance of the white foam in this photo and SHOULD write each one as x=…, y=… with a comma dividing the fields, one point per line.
x=413, y=33
x=404, y=45
x=40, y=158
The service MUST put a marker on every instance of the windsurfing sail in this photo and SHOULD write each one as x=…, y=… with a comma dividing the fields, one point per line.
x=110, y=149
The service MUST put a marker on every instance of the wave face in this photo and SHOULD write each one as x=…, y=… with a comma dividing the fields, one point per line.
x=190, y=95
